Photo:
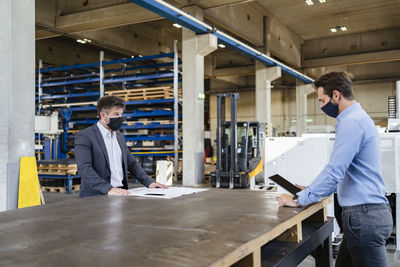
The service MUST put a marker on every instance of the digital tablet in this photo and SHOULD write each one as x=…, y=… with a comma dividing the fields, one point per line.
x=285, y=184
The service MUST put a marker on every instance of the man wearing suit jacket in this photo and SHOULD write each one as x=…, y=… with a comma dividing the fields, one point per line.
x=103, y=157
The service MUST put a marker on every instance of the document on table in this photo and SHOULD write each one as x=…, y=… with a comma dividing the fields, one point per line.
x=171, y=192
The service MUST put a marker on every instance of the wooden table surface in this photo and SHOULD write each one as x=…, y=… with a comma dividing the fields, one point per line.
x=216, y=227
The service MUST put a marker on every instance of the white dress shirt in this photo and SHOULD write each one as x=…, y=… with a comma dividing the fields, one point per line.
x=114, y=155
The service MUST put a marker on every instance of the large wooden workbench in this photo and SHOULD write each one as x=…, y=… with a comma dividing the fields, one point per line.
x=217, y=227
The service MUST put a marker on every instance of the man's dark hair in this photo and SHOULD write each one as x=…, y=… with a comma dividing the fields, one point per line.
x=339, y=81
x=109, y=101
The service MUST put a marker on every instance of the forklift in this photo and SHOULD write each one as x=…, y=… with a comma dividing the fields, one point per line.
x=238, y=148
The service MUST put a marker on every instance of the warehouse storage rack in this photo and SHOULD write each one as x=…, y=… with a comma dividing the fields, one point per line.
x=148, y=84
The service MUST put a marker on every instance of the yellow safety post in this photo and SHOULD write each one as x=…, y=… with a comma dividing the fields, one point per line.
x=28, y=193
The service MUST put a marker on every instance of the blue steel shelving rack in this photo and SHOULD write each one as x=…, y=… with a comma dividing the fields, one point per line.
x=76, y=93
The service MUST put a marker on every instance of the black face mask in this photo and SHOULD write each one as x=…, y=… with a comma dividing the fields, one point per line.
x=331, y=109
x=115, y=123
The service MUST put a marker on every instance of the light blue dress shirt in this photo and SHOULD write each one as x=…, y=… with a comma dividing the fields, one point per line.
x=353, y=169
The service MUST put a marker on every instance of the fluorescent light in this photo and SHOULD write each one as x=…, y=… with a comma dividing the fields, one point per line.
x=176, y=25
x=221, y=45
x=84, y=41
x=132, y=56
x=337, y=28
x=309, y=2
x=140, y=56
x=322, y=1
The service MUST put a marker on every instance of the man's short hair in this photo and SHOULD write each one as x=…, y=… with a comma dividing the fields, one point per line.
x=339, y=81
x=108, y=102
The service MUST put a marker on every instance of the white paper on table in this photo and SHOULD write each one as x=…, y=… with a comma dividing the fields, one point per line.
x=171, y=192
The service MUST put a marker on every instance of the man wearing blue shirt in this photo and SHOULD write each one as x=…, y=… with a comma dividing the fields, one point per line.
x=353, y=171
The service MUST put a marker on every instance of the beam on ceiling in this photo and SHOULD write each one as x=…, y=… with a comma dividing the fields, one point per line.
x=98, y=43
x=351, y=44
x=269, y=33
x=234, y=71
x=118, y=15
x=98, y=18
x=363, y=58
x=239, y=20
x=170, y=12
x=371, y=71
x=44, y=33
x=160, y=41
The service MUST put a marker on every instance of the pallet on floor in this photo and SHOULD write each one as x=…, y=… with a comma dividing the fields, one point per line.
x=60, y=189
x=57, y=166
x=208, y=169
x=57, y=172
x=54, y=189
x=57, y=169
x=76, y=187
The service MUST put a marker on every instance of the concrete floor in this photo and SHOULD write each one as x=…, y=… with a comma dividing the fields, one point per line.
x=308, y=262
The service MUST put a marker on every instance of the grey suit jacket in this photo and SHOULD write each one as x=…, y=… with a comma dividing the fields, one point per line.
x=94, y=165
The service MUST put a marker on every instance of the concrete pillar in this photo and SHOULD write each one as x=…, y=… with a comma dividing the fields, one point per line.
x=17, y=101
x=302, y=91
x=264, y=77
x=398, y=99
x=194, y=49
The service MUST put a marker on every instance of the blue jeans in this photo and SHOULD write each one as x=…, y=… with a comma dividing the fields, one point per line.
x=366, y=229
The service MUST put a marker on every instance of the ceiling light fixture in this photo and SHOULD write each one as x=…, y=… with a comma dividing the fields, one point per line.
x=221, y=46
x=84, y=41
x=140, y=56
x=176, y=25
x=339, y=28
x=309, y=2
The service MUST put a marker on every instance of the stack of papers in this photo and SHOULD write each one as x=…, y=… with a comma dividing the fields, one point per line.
x=171, y=192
